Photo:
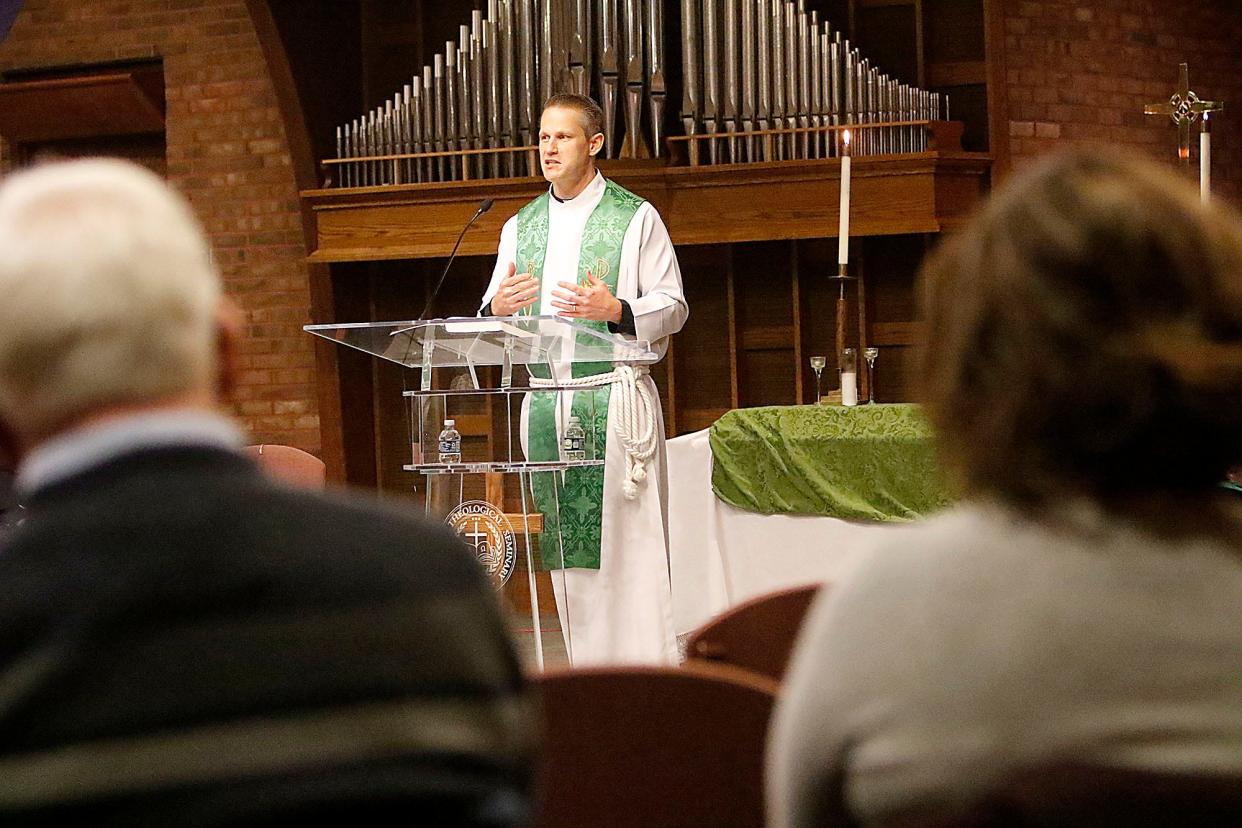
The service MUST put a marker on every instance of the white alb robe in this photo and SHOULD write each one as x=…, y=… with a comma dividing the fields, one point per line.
x=622, y=612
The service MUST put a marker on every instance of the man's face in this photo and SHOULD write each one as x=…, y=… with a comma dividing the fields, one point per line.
x=565, y=152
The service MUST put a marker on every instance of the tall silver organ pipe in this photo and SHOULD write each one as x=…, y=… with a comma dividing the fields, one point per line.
x=528, y=80
x=508, y=121
x=815, y=81
x=763, y=39
x=493, y=95
x=657, y=83
x=636, y=145
x=805, y=67
x=750, y=103
x=691, y=63
x=731, y=59
x=711, y=74
x=609, y=72
x=778, y=75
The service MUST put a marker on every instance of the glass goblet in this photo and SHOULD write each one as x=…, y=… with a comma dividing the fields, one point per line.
x=817, y=365
x=870, y=355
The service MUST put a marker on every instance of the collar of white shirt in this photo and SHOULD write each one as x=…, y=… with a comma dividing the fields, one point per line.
x=69, y=454
x=591, y=190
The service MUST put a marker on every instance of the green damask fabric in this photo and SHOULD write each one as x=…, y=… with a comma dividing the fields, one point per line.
x=572, y=502
x=532, y=244
x=867, y=462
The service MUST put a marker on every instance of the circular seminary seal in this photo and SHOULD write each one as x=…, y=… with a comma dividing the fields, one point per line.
x=487, y=530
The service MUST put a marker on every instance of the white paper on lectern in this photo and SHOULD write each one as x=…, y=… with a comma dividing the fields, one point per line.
x=474, y=325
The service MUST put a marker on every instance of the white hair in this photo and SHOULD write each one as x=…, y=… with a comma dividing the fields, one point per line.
x=107, y=293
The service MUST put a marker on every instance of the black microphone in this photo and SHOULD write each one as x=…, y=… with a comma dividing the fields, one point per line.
x=483, y=208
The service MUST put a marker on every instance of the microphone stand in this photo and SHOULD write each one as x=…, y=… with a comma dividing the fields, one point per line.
x=483, y=208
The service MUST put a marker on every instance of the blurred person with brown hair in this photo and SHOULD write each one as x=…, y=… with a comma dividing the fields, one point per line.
x=1084, y=602
x=183, y=641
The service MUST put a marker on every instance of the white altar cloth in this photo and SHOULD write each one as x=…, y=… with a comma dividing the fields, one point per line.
x=720, y=556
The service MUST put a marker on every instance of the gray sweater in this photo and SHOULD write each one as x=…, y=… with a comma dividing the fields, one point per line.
x=977, y=642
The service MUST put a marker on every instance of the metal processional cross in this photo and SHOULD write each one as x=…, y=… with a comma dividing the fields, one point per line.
x=1184, y=108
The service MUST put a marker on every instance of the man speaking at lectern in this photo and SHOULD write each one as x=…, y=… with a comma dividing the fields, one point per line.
x=591, y=251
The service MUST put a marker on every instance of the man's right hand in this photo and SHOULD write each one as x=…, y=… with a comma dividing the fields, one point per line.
x=516, y=291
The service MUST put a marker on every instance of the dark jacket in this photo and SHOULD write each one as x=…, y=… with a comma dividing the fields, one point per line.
x=184, y=642
x=10, y=510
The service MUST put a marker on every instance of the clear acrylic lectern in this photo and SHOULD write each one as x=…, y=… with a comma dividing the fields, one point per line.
x=466, y=345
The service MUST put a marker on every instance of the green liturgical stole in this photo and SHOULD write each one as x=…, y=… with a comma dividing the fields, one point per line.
x=572, y=502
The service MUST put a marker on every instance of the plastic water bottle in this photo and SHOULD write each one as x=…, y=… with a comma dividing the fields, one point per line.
x=450, y=443
x=573, y=445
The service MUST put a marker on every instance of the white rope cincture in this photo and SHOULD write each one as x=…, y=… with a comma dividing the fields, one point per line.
x=635, y=420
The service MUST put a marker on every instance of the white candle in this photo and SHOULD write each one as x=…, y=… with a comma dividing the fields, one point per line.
x=849, y=388
x=843, y=232
x=1205, y=162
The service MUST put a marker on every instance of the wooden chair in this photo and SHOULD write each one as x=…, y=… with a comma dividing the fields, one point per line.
x=757, y=635
x=1085, y=796
x=290, y=465
x=653, y=746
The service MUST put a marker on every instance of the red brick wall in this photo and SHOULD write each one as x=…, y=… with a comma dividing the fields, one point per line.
x=227, y=152
x=1080, y=71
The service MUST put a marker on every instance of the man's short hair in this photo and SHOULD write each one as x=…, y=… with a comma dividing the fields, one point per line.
x=107, y=293
x=590, y=112
x=1085, y=336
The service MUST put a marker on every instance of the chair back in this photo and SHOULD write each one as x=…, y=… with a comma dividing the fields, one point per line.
x=757, y=635
x=290, y=465
x=652, y=746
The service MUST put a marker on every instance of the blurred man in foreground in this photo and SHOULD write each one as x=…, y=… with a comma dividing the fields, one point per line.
x=182, y=641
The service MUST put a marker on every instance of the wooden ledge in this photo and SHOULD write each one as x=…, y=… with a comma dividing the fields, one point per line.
x=892, y=194
x=129, y=102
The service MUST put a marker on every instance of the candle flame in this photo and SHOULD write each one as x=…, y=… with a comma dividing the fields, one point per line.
x=845, y=137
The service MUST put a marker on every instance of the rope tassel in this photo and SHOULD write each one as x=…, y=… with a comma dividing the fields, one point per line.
x=634, y=426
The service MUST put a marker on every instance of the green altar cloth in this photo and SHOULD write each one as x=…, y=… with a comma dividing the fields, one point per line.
x=866, y=462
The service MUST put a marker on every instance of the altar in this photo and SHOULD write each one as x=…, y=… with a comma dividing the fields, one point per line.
x=779, y=496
